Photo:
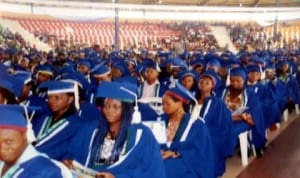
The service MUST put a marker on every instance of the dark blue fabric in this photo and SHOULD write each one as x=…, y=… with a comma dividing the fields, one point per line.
x=143, y=159
x=197, y=152
x=218, y=120
x=38, y=167
x=56, y=147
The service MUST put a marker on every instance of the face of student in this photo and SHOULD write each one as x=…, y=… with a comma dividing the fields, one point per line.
x=237, y=82
x=188, y=82
x=151, y=74
x=253, y=76
x=170, y=106
x=284, y=67
x=26, y=90
x=83, y=69
x=270, y=74
x=59, y=102
x=115, y=72
x=112, y=110
x=205, y=84
x=42, y=77
x=12, y=144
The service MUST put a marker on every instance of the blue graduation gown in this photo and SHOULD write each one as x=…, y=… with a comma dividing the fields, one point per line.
x=218, y=120
x=142, y=158
x=34, y=165
x=269, y=102
x=278, y=87
x=292, y=88
x=196, y=150
x=89, y=112
x=54, y=141
x=255, y=109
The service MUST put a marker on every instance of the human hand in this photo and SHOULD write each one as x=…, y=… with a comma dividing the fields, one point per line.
x=104, y=175
x=237, y=117
x=68, y=163
x=169, y=154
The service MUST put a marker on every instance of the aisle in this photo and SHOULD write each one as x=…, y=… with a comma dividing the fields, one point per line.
x=234, y=166
x=282, y=159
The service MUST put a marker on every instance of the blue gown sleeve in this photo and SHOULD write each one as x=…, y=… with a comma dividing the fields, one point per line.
x=219, y=123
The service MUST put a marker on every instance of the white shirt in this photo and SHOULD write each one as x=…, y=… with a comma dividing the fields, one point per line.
x=149, y=90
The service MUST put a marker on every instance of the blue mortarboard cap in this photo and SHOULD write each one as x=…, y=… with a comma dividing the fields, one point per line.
x=269, y=67
x=177, y=62
x=47, y=68
x=151, y=64
x=238, y=71
x=23, y=76
x=284, y=62
x=122, y=66
x=65, y=70
x=198, y=62
x=85, y=62
x=100, y=69
x=253, y=68
x=184, y=73
x=211, y=75
x=55, y=87
x=140, y=68
x=117, y=90
x=131, y=61
x=257, y=60
x=12, y=84
x=180, y=93
x=213, y=62
x=12, y=117
x=78, y=78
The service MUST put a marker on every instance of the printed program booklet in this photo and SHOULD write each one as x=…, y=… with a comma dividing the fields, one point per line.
x=79, y=171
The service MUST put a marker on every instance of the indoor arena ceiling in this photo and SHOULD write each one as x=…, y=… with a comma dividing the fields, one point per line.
x=236, y=3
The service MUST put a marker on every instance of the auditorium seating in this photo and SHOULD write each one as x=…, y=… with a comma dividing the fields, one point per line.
x=96, y=32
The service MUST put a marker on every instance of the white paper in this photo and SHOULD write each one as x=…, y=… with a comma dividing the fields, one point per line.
x=158, y=129
x=79, y=171
x=239, y=111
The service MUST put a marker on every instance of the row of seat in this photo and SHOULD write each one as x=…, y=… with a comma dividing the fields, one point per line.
x=96, y=32
x=156, y=104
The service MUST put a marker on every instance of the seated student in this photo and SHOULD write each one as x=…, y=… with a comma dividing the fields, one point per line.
x=236, y=96
x=276, y=85
x=151, y=87
x=10, y=89
x=119, y=146
x=189, y=150
x=266, y=96
x=84, y=66
x=217, y=118
x=214, y=65
x=55, y=131
x=177, y=65
x=18, y=158
x=292, y=87
x=88, y=111
x=188, y=80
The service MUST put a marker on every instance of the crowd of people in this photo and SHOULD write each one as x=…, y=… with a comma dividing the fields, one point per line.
x=80, y=104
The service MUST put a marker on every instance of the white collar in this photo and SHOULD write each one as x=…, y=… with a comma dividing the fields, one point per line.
x=29, y=153
x=155, y=83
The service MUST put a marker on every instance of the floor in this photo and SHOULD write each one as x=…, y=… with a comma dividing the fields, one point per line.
x=234, y=165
